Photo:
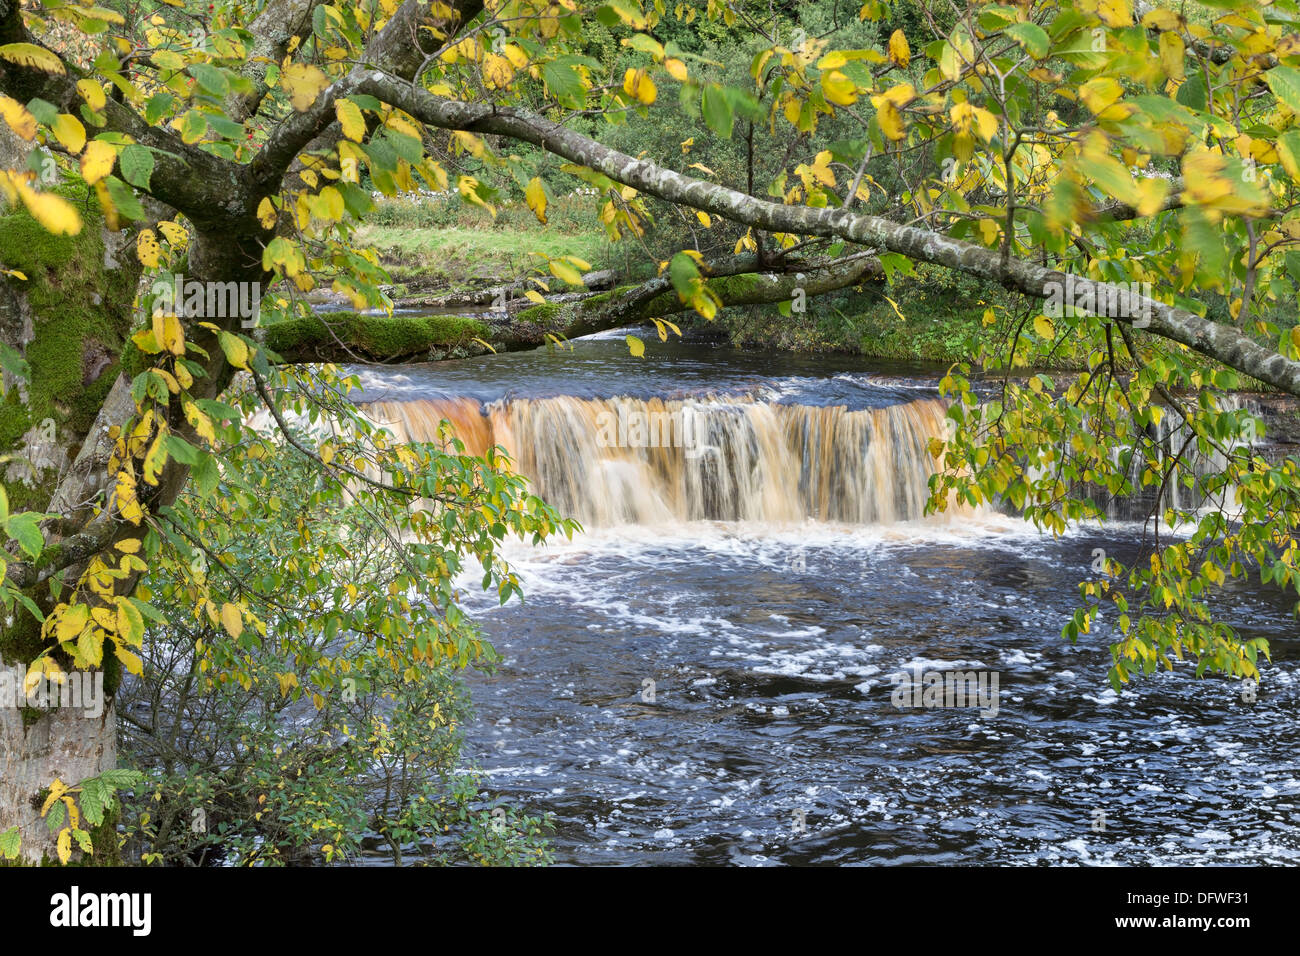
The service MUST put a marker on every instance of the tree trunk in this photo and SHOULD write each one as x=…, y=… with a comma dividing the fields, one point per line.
x=69, y=317
x=39, y=746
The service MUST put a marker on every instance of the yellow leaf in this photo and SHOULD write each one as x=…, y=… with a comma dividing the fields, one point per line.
x=515, y=54
x=899, y=52
x=57, y=789
x=130, y=661
x=351, y=119
x=638, y=85
x=562, y=270
x=64, y=845
x=535, y=196
x=31, y=55
x=1161, y=19
x=891, y=121
x=468, y=186
x=127, y=503
x=236, y=349
x=201, y=422
x=15, y=114
x=1043, y=326
x=55, y=213
x=97, y=161
x=92, y=93
x=173, y=339
x=71, y=623
x=303, y=82
x=821, y=168
x=266, y=213
x=1100, y=92
x=839, y=89
x=176, y=235
x=986, y=124
x=1151, y=196
x=69, y=131
x=534, y=296
x=331, y=202
x=147, y=250
x=1115, y=13
x=704, y=219
x=676, y=69
x=232, y=620
x=1173, y=55
x=498, y=71
x=635, y=346
x=433, y=174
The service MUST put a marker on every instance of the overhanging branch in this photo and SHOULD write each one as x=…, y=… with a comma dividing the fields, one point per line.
x=1221, y=343
x=346, y=337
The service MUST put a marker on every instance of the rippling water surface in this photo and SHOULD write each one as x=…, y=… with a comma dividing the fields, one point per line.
x=771, y=736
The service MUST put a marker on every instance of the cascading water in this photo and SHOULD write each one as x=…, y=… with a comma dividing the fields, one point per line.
x=651, y=461
x=769, y=634
x=1188, y=467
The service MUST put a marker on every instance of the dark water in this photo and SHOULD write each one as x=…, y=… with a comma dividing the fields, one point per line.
x=771, y=651
x=602, y=367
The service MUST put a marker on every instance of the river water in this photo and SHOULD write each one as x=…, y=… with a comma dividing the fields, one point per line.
x=708, y=674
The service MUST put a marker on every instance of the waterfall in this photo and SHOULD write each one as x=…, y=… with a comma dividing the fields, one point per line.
x=632, y=461
x=1185, y=490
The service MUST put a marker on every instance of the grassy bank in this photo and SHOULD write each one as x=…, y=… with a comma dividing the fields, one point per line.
x=442, y=244
x=934, y=316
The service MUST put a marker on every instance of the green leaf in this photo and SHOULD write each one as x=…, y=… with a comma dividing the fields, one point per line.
x=1284, y=81
x=157, y=107
x=717, y=110
x=211, y=79
x=182, y=450
x=10, y=842
x=565, y=82
x=683, y=272
x=204, y=474
x=45, y=112
x=1288, y=150
x=121, y=779
x=124, y=199
x=25, y=529
x=1031, y=37
x=95, y=799
x=137, y=165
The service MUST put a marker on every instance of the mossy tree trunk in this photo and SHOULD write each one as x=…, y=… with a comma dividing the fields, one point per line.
x=68, y=319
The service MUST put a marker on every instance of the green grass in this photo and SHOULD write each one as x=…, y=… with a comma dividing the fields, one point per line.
x=430, y=257
x=445, y=246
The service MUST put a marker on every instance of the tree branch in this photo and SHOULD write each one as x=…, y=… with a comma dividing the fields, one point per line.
x=1221, y=343
x=347, y=337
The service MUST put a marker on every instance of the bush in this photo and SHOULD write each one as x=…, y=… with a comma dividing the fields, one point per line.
x=299, y=701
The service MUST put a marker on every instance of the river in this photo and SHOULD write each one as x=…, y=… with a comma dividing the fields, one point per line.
x=711, y=672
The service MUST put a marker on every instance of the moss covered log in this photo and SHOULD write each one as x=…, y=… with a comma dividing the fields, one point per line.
x=348, y=336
